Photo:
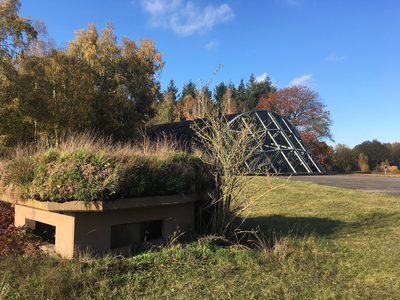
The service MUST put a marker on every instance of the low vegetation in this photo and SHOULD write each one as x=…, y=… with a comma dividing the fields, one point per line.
x=88, y=168
x=312, y=242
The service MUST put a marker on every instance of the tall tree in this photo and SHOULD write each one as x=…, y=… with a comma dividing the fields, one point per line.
x=219, y=92
x=190, y=108
x=173, y=90
x=228, y=105
x=52, y=95
x=303, y=107
x=343, y=158
x=256, y=89
x=374, y=150
x=323, y=153
x=363, y=162
x=204, y=102
x=189, y=89
x=395, y=154
x=165, y=106
x=250, y=96
x=241, y=96
x=44, y=42
x=233, y=89
x=165, y=109
x=16, y=32
x=125, y=78
x=95, y=83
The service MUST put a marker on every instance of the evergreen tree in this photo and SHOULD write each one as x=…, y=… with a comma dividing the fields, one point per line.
x=240, y=95
x=171, y=88
x=255, y=89
x=189, y=89
x=264, y=87
x=250, y=96
x=219, y=92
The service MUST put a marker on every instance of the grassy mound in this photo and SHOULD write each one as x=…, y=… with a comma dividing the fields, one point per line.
x=87, y=169
x=315, y=242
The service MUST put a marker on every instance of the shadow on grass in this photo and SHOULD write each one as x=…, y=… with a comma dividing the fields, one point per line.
x=374, y=221
x=293, y=225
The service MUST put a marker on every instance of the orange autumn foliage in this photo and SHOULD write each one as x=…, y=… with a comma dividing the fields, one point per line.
x=304, y=108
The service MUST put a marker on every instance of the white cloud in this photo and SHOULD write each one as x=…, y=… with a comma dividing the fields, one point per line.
x=334, y=57
x=185, y=19
x=262, y=77
x=212, y=45
x=301, y=80
x=159, y=7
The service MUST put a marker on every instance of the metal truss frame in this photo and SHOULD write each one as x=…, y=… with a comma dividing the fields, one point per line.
x=280, y=146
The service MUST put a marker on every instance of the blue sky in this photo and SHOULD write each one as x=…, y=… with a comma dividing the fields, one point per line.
x=348, y=51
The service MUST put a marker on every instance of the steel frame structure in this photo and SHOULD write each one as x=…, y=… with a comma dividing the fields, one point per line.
x=280, y=146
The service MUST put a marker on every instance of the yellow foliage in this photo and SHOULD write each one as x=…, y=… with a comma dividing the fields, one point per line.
x=228, y=105
x=363, y=161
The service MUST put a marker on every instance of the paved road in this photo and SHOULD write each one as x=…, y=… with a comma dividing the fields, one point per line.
x=385, y=185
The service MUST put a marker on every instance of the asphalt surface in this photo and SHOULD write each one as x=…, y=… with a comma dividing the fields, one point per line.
x=384, y=185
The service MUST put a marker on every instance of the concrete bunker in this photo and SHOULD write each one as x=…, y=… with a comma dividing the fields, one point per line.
x=106, y=227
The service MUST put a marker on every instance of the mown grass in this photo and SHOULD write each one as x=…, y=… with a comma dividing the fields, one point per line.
x=314, y=242
x=89, y=168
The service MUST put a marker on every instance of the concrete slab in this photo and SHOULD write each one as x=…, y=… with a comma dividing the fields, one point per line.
x=384, y=185
x=101, y=206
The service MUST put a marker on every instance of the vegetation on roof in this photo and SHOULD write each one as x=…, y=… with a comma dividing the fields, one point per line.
x=88, y=168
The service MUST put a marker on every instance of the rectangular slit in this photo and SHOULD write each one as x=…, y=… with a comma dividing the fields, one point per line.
x=125, y=235
x=45, y=231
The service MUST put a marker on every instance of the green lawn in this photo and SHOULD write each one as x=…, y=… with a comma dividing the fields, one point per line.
x=319, y=243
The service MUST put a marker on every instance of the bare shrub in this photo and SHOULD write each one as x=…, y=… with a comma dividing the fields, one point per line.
x=227, y=149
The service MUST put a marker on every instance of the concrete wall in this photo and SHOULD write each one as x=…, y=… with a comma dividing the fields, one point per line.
x=64, y=223
x=93, y=230
x=81, y=231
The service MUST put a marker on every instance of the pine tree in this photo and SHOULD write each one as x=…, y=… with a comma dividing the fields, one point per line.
x=219, y=92
x=171, y=88
x=257, y=88
x=241, y=95
x=189, y=89
x=250, y=97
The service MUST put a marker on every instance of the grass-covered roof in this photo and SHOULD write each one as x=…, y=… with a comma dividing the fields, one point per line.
x=86, y=168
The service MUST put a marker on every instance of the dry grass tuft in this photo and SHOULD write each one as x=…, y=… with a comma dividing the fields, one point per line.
x=89, y=167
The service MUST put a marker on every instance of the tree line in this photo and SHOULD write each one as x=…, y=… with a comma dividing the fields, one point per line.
x=93, y=83
x=367, y=156
x=300, y=104
x=96, y=83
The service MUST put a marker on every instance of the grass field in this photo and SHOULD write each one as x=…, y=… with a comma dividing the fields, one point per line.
x=314, y=242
